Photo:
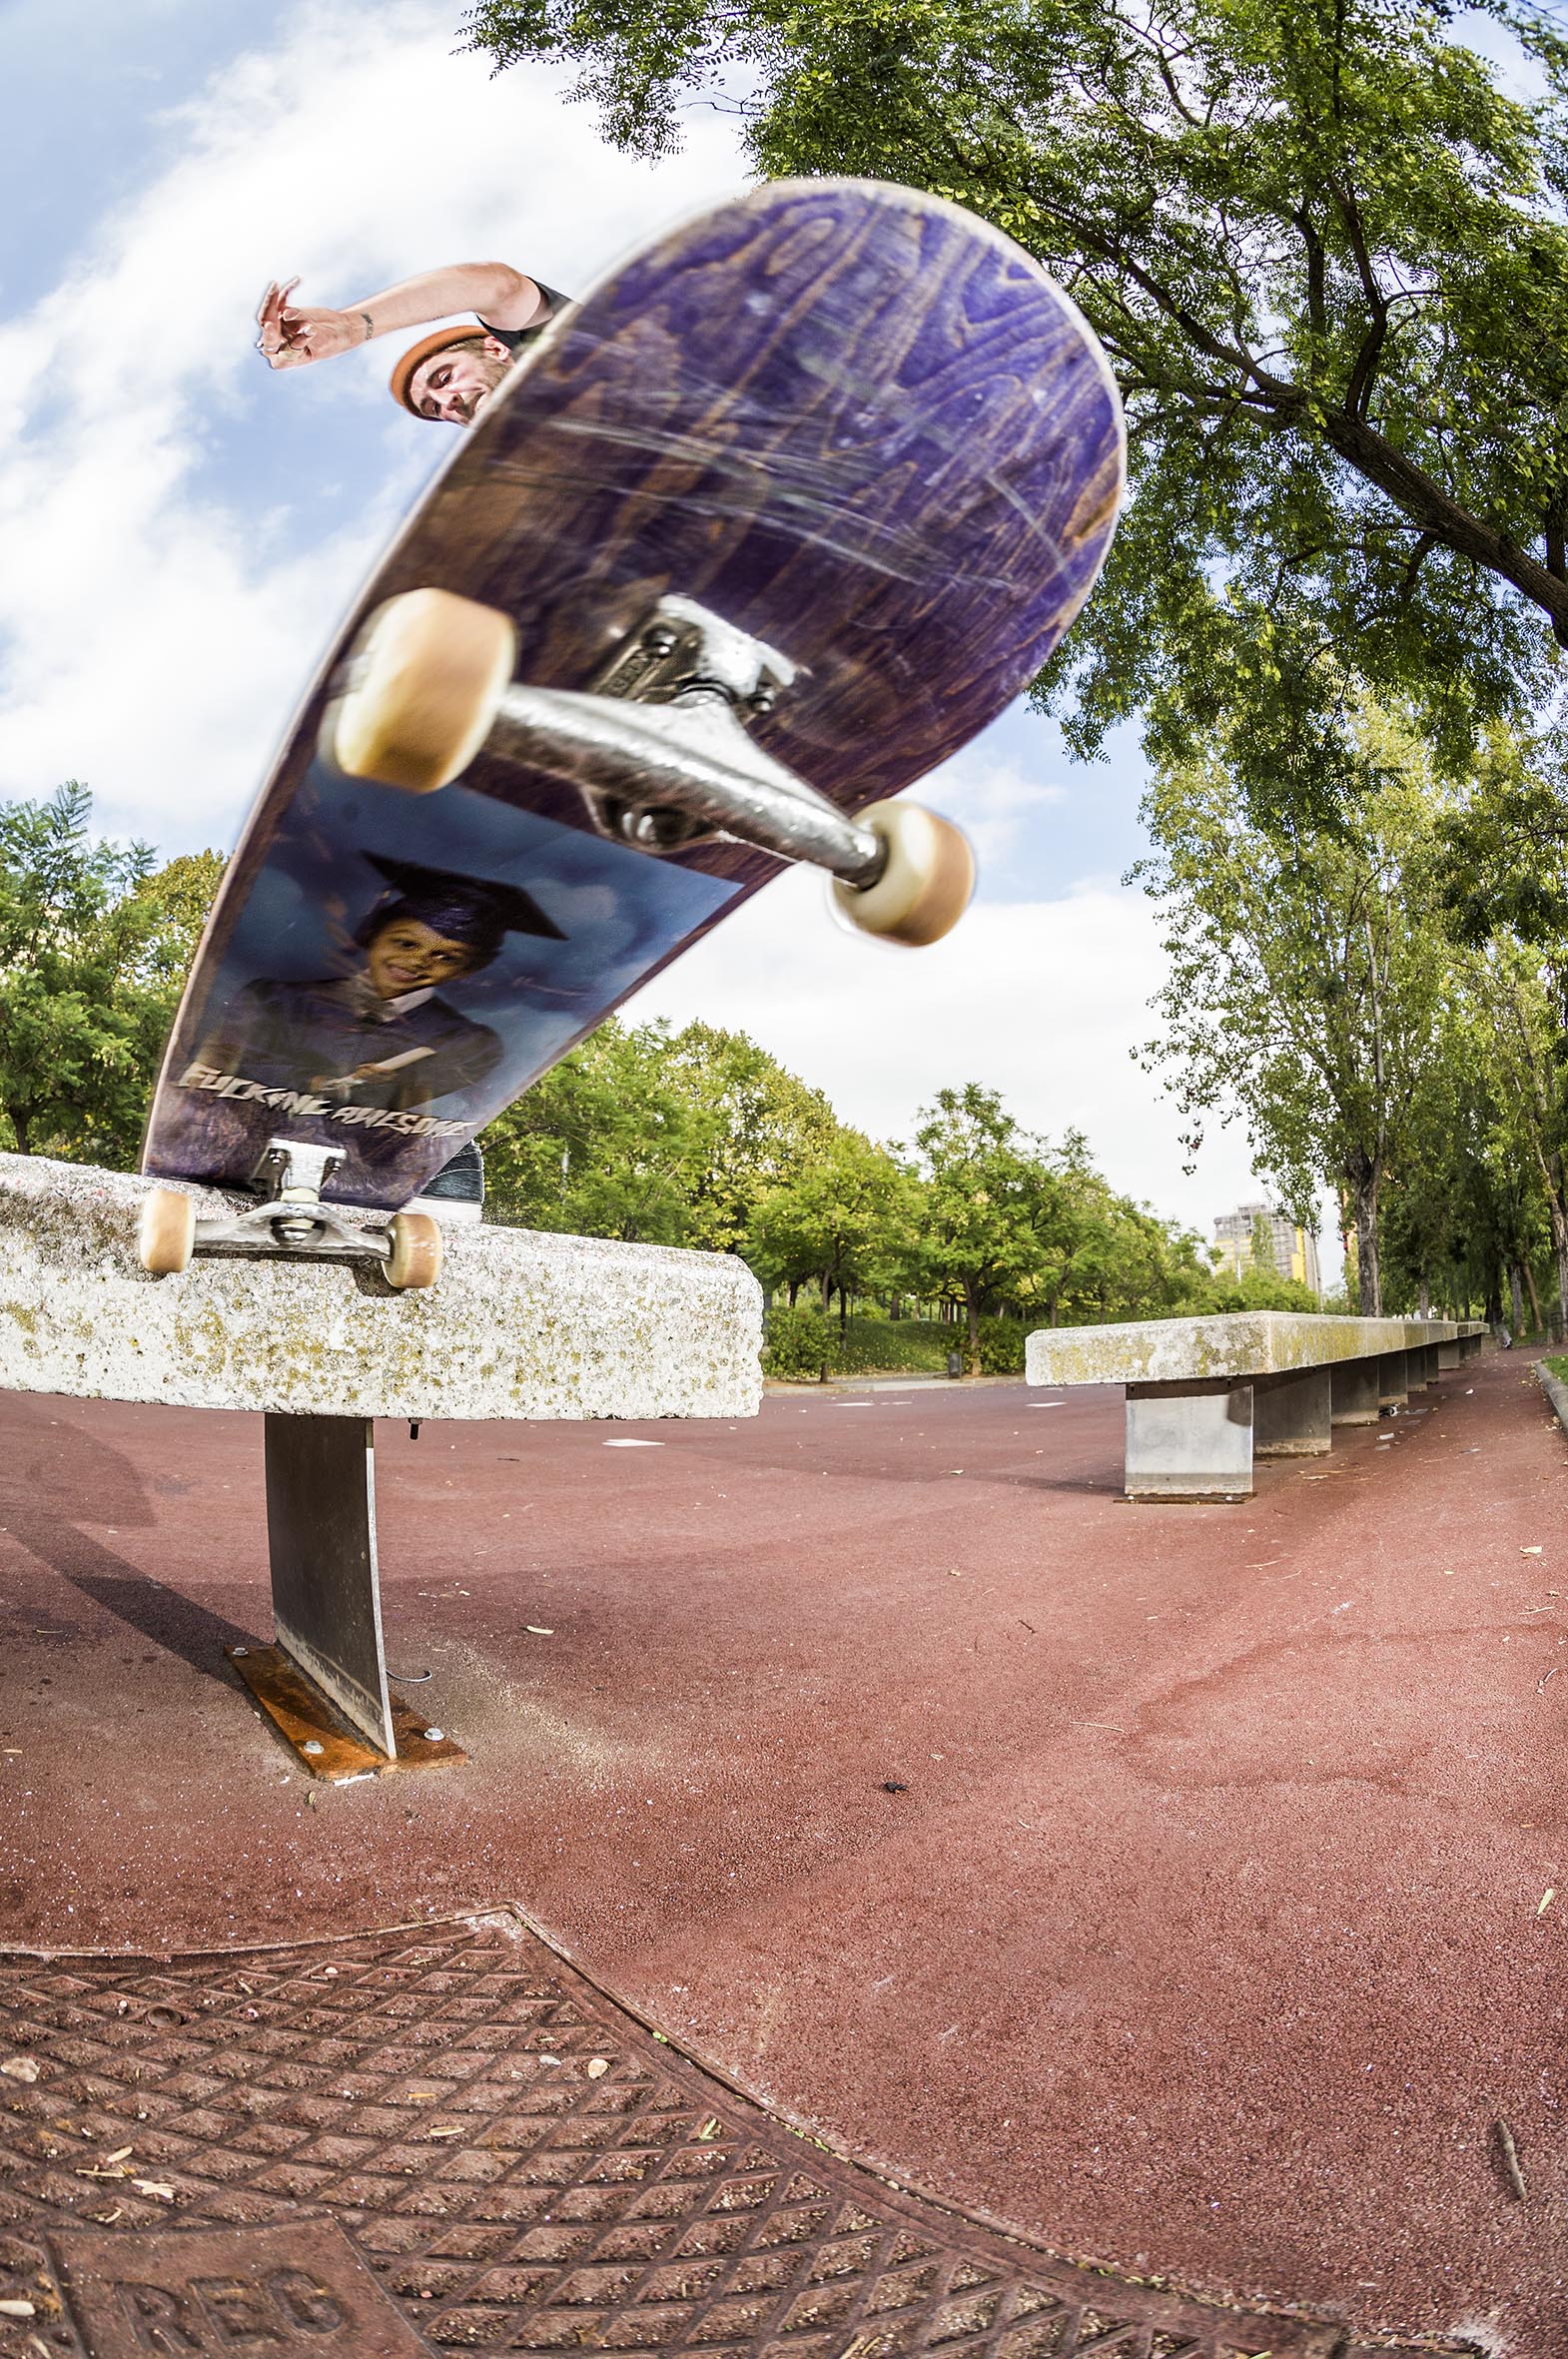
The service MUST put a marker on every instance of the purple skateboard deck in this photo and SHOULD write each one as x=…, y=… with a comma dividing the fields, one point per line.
x=853, y=421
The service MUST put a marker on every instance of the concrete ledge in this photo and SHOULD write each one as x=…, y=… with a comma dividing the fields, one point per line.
x=1230, y=1344
x=523, y=1324
x=1207, y=1396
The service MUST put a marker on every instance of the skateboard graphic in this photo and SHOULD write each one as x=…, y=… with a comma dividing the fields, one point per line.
x=791, y=505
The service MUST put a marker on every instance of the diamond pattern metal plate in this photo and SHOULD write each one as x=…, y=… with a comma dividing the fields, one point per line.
x=475, y=2149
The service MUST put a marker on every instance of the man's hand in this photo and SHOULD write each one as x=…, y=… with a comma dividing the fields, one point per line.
x=289, y=336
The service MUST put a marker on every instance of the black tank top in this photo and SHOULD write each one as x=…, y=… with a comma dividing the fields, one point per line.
x=516, y=339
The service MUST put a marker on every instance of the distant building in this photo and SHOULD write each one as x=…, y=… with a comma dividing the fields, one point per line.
x=1294, y=1248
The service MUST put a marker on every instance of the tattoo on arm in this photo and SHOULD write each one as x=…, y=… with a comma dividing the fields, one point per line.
x=370, y=328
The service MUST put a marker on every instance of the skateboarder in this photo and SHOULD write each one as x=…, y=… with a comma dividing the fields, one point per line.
x=447, y=374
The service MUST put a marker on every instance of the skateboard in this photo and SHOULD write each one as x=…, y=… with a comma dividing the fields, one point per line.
x=772, y=522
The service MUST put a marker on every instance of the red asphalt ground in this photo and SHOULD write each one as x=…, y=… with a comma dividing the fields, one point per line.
x=1202, y=1936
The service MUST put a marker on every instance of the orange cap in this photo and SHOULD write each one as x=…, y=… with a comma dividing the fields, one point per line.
x=436, y=341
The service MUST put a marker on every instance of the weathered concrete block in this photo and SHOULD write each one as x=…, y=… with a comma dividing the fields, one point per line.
x=1393, y=1380
x=1292, y=1416
x=1355, y=1392
x=522, y=1325
x=1189, y=1441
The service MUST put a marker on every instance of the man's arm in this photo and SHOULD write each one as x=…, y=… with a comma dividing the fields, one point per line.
x=289, y=334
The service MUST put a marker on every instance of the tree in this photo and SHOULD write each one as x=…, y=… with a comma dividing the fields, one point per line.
x=601, y=1145
x=848, y=1219
x=991, y=1207
x=642, y=1133
x=759, y=1122
x=1515, y=986
x=1324, y=250
x=95, y=943
x=1307, y=969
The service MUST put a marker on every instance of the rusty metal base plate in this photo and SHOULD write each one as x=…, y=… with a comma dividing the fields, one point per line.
x=444, y=2139
x=319, y=1739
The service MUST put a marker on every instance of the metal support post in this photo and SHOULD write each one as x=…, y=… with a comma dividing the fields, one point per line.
x=328, y=1665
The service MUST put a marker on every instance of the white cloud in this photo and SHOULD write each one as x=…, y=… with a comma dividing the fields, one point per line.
x=158, y=625
x=993, y=801
x=1041, y=999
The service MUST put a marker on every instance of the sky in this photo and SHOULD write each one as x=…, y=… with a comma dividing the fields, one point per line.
x=183, y=529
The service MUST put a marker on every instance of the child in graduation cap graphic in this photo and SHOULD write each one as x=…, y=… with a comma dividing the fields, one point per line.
x=383, y=1035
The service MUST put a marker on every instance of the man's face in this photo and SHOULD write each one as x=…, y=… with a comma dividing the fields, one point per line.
x=456, y=383
x=409, y=956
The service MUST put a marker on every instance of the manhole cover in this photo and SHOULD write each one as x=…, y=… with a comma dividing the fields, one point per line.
x=446, y=2137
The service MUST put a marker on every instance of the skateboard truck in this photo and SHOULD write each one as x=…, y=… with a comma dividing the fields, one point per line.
x=688, y=770
x=292, y=1219
x=658, y=747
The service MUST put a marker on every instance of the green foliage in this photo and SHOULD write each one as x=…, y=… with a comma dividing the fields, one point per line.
x=1001, y=1346
x=804, y=1345
x=95, y=942
x=1306, y=970
x=845, y=1220
x=600, y=1146
x=1259, y=1289
x=1325, y=250
x=798, y=1344
x=865, y=1345
x=639, y=1134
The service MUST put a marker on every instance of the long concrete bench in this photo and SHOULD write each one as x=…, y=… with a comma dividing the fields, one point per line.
x=522, y=1325
x=1204, y=1396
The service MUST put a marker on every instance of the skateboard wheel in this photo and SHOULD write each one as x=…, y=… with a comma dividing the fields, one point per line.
x=166, y=1238
x=416, y=1257
x=427, y=676
x=926, y=881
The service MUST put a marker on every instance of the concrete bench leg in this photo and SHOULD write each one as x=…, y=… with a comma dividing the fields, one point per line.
x=1189, y=1440
x=1292, y=1415
x=1354, y=1388
x=1450, y=1355
x=1393, y=1380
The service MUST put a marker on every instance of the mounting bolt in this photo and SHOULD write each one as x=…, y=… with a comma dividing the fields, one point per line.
x=310, y=1745
x=433, y=1736
x=237, y=1651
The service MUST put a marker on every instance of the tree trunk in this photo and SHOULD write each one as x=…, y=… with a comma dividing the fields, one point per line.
x=971, y=1313
x=1426, y=1298
x=1537, y=1323
x=794, y=1290
x=1515, y=1299
x=1368, y=1273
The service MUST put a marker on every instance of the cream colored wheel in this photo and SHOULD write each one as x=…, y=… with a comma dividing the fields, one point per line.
x=166, y=1238
x=416, y=1257
x=426, y=680
x=926, y=882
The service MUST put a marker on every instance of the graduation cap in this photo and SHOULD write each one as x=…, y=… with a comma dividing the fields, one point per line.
x=477, y=911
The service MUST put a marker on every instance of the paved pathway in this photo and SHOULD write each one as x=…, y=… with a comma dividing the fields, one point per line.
x=1162, y=1882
